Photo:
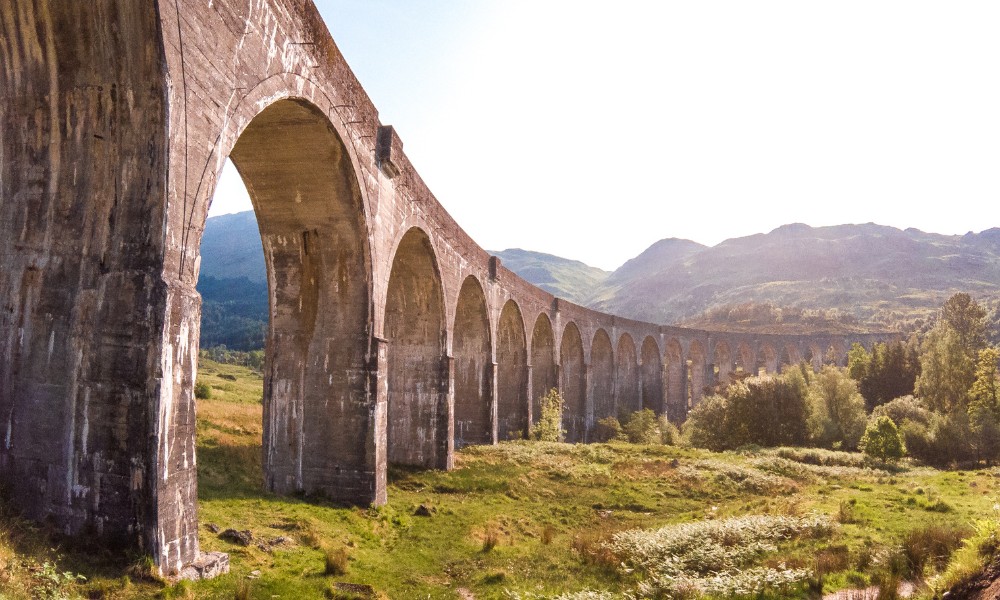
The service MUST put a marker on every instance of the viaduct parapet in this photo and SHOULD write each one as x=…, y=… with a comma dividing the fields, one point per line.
x=393, y=337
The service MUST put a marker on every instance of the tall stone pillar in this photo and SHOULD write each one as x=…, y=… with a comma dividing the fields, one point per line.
x=492, y=393
x=531, y=401
x=445, y=425
x=377, y=439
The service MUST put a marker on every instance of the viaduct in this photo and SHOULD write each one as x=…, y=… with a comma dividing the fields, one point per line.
x=393, y=337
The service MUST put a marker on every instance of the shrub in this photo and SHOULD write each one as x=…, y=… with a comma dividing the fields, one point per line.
x=762, y=411
x=882, y=441
x=491, y=537
x=837, y=418
x=642, y=427
x=904, y=408
x=930, y=546
x=669, y=434
x=609, y=429
x=202, y=390
x=549, y=425
x=336, y=561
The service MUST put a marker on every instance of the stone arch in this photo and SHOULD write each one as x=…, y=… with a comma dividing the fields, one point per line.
x=418, y=420
x=836, y=354
x=675, y=368
x=652, y=376
x=814, y=356
x=723, y=362
x=601, y=384
x=471, y=351
x=746, y=359
x=627, y=379
x=768, y=358
x=790, y=355
x=544, y=373
x=512, y=374
x=697, y=365
x=573, y=379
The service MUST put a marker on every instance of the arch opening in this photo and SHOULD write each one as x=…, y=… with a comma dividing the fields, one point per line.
x=652, y=376
x=418, y=423
x=627, y=392
x=676, y=371
x=544, y=375
x=573, y=378
x=473, y=363
x=601, y=379
x=697, y=365
x=512, y=374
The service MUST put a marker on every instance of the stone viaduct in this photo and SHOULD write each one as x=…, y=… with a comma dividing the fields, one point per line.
x=393, y=337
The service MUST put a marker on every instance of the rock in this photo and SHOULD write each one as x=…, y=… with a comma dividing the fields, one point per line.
x=422, y=511
x=206, y=566
x=212, y=527
x=255, y=574
x=243, y=538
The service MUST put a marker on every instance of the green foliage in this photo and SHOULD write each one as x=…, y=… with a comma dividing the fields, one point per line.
x=762, y=411
x=609, y=429
x=549, y=425
x=984, y=406
x=967, y=318
x=252, y=359
x=882, y=441
x=52, y=584
x=669, y=434
x=947, y=370
x=642, y=427
x=837, y=418
x=202, y=390
x=888, y=372
x=905, y=408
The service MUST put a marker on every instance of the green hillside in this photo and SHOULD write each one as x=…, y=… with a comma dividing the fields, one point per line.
x=569, y=279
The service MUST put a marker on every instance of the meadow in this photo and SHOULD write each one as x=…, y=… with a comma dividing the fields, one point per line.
x=525, y=520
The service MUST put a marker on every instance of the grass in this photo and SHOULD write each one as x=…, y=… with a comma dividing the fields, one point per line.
x=523, y=519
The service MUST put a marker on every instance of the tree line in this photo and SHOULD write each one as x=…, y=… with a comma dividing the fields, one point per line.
x=935, y=397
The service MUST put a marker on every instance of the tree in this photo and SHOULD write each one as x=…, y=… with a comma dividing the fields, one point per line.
x=837, y=419
x=549, y=425
x=882, y=441
x=968, y=319
x=984, y=406
x=946, y=370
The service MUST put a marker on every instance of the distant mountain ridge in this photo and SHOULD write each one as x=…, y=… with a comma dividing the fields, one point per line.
x=806, y=278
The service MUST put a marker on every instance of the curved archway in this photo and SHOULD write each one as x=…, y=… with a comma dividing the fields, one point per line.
x=418, y=415
x=512, y=374
x=544, y=376
x=472, y=361
x=836, y=354
x=790, y=355
x=601, y=377
x=747, y=359
x=723, y=362
x=676, y=370
x=768, y=360
x=627, y=382
x=696, y=374
x=309, y=210
x=815, y=357
x=573, y=378
x=652, y=376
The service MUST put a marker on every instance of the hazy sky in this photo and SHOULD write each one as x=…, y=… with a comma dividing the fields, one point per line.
x=591, y=130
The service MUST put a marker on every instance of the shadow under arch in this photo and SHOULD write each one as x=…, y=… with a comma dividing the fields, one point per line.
x=471, y=350
x=512, y=374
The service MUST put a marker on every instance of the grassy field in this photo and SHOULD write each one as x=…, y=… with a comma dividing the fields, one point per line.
x=518, y=520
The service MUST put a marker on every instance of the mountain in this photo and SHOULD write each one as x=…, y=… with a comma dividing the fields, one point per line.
x=233, y=283
x=858, y=275
x=795, y=279
x=569, y=279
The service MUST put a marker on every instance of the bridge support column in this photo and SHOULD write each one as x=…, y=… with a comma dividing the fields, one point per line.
x=377, y=440
x=588, y=405
x=445, y=458
x=531, y=401
x=492, y=393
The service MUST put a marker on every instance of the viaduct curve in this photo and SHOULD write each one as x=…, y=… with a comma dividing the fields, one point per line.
x=393, y=337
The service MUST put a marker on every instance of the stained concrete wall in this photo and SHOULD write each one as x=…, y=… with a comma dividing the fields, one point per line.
x=116, y=120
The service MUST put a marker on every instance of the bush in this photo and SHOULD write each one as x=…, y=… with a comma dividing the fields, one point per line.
x=549, y=425
x=669, y=434
x=642, y=427
x=837, y=418
x=882, y=441
x=609, y=430
x=904, y=408
x=336, y=561
x=763, y=411
x=202, y=390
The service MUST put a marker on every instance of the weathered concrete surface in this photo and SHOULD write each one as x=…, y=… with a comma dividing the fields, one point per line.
x=393, y=336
